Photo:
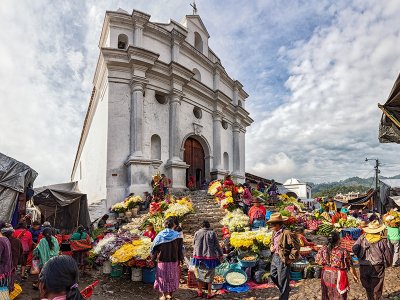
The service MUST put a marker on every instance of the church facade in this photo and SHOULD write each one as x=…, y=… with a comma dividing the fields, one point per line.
x=162, y=102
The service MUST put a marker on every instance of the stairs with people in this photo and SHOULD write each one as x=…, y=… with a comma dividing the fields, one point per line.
x=205, y=208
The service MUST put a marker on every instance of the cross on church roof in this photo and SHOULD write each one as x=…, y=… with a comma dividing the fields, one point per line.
x=194, y=7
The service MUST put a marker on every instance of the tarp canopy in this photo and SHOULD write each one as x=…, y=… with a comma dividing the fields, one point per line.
x=389, y=128
x=15, y=177
x=63, y=205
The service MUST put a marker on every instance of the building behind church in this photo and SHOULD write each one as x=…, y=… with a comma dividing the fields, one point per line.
x=161, y=102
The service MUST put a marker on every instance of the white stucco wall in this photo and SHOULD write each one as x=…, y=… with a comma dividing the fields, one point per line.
x=158, y=45
x=93, y=159
x=118, y=141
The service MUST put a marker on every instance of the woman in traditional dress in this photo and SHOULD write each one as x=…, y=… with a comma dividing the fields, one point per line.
x=336, y=261
x=5, y=263
x=24, y=235
x=16, y=250
x=80, y=245
x=167, y=249
x=207, y=254
x=257, y=214
x=47, y=248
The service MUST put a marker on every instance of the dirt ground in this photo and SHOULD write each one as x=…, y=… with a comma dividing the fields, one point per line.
x=124, y=288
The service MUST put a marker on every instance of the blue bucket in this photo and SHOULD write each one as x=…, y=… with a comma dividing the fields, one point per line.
x=296, y=276
x=149, y=275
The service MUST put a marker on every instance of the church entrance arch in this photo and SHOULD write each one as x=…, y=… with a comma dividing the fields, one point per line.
x=194, y=156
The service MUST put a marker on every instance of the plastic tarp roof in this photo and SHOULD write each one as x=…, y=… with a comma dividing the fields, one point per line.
x=393, y=183
x=396, y=199
x=389, y=128
x=63, y=205
x=15, y=176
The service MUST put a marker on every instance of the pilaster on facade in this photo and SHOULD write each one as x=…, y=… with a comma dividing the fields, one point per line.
x=139, y=21
x=177, y=37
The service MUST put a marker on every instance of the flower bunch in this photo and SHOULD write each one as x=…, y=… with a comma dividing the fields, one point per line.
x=392, y=218
x=263, y=237
x=119, y=207
x=108, y=249
x=133, y=201
x=243, y=240
x=100, y=245
x=214, y=187
x=139, y=248
x=236, y=220
x=226, y=203
x=176, y=210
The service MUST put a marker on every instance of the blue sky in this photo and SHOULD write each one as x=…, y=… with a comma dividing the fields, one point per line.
x=315, y=71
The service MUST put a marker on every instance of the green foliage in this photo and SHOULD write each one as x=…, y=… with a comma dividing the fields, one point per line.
x=333, y=191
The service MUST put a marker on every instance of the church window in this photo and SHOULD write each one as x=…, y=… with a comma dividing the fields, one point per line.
x=155, y=147
x=162, y=99
x=224, y=124
x=197, y=74
x=197, y=112
x=239, y=103
x=122, y=41
x=226, y=161
x=198, y=42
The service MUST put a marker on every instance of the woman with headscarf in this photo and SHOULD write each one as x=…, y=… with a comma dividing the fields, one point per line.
x=374, y=255
x=80, y=245
x=59, y=278
x=257, y=214
x=336, y=261
x=5, y=263
x=167, y=249
x=207, y=254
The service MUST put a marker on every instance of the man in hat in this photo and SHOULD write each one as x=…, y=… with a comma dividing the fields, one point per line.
x=257, y=214
x=374, y=255
x=285, y=248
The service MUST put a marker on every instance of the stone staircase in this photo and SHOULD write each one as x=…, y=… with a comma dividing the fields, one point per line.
x=205, y=209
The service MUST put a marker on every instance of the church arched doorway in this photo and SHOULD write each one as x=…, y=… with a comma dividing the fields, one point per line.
x=194, y=156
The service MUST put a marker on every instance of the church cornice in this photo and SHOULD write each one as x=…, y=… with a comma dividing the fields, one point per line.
x=131, y=56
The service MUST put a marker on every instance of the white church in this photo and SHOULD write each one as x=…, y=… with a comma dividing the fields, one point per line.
x=161, y=102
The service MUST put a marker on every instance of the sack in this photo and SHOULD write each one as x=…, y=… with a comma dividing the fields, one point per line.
x=4, y=293
x=16, y=292
x=35, y=269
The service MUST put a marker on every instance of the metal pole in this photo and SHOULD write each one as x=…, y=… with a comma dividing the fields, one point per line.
x=55, y=216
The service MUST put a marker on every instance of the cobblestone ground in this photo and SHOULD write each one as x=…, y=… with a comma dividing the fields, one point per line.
x=123, y=288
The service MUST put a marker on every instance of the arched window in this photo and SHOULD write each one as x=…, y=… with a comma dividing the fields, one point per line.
x=155, y=147
x=226, y=161
x=197, y=74
x=198, y=42
x=122, y=41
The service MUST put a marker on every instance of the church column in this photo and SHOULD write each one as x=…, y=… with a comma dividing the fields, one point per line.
x=217, y=118
x=174, y=142
x=136, y=129
x=236, y=148
x=138, y=35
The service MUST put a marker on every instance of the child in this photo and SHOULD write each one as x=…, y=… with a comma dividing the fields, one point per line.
x=150, y=232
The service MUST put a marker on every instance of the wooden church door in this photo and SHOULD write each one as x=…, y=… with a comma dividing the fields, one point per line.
x=194, y=157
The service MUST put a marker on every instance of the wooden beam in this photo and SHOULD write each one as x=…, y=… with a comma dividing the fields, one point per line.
x=390, y=116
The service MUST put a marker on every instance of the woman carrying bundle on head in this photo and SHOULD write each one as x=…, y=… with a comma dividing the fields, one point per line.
x=59, y=278
x=336, y=262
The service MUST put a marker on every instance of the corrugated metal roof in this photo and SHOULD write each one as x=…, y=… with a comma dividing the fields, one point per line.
x=393, y=183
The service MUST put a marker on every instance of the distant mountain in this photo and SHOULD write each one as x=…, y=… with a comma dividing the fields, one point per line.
x=355, y=184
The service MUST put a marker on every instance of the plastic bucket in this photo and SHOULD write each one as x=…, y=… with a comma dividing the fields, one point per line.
x=107, y=267
x=296, y=276
x=116, y=271
x=136, y=274
x=149, y=275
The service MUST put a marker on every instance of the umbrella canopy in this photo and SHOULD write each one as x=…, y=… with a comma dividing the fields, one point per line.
x=63, y=205
x=389, y=128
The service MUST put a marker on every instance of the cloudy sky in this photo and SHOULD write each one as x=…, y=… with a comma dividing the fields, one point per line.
x=315, y=71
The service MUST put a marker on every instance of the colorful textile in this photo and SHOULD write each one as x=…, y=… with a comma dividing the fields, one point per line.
x=43, y=251
x=257, y=213
x=25, y=237
x=76, y=236
x=81, y=245
x=165, y=236
x=275, y=239
x=167, y=277
x=329, y=284
x=204, y=274
x=151, y=234
x=373, y=238
x=208, y=263
x=337, y=258
x=393, y=233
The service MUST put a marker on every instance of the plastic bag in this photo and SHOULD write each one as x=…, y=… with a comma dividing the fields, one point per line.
x=4, y=293
x=35, y=269
x=16, y=292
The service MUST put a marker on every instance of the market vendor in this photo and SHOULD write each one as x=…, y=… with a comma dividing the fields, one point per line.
x=302, y=239
x=228, y=181
x=331, y=205
x=103, y=221
x=257, y=214
x=150, y=232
